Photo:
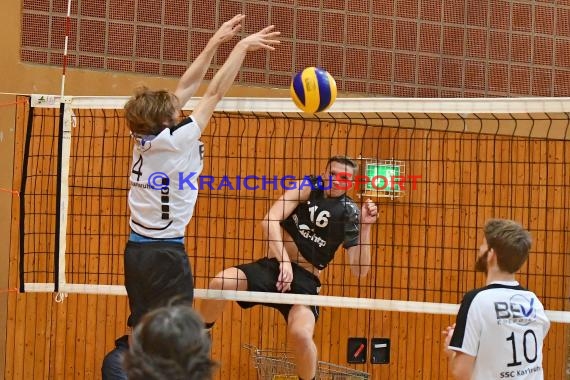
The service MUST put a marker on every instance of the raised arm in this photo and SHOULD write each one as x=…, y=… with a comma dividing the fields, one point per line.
x=224, y=78
x=192, y=78
x=359, y=255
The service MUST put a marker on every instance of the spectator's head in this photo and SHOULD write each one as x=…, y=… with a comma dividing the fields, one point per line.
x=170, y=343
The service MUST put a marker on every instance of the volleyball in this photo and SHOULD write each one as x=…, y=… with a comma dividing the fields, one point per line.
x=313, y=90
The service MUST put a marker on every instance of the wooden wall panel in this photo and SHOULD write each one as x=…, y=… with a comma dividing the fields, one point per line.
x=466, y=178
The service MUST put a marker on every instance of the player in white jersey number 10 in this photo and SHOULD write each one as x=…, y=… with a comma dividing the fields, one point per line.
x=500, y=328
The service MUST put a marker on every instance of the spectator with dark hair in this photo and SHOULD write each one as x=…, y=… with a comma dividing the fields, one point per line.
x=170, y=343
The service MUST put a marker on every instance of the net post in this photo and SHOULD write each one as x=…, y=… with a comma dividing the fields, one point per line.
x=62, y=195
x=24, y=178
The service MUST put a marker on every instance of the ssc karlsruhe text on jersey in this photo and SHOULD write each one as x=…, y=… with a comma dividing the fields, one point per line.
x=503, y=325
x=163, y=211
x=319, y=225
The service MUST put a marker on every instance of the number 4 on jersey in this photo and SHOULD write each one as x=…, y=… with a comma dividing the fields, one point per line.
x=137, y=166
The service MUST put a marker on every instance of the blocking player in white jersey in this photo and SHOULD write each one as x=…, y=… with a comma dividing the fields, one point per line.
x=500, y=328
x=167, y=159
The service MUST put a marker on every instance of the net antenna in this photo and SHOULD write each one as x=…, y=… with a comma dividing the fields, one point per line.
x=67, y=32
x=466, y=145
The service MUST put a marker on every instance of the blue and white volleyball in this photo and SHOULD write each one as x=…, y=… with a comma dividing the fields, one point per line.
x=313, y=90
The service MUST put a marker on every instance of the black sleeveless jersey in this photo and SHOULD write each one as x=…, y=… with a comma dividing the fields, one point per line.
x=319, y=225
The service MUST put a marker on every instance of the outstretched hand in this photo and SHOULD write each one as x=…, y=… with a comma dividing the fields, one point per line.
x=264, y=39
x=369, y=212
x=228, y=29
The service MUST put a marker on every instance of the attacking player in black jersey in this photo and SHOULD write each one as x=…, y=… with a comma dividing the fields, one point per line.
x=500, y=328
x=305, y=227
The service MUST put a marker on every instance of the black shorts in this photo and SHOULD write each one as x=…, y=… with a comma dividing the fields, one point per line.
x=262, y=277
x=155, y=273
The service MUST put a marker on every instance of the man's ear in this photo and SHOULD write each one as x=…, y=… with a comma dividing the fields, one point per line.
x=492, y=255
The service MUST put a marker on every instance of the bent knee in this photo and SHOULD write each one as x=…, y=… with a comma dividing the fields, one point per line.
x=300, y=333
x=301, y=323
x=229, y=279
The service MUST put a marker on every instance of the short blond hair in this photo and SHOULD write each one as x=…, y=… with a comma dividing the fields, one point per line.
x=149, y=112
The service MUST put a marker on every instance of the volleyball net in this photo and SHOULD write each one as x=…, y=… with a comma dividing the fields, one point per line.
x=437, y=168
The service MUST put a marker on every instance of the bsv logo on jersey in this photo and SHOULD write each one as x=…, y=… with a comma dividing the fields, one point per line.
x=518, y=309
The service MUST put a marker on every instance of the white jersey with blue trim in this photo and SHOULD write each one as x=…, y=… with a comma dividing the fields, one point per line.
x=503, y=325
x=164, y=180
